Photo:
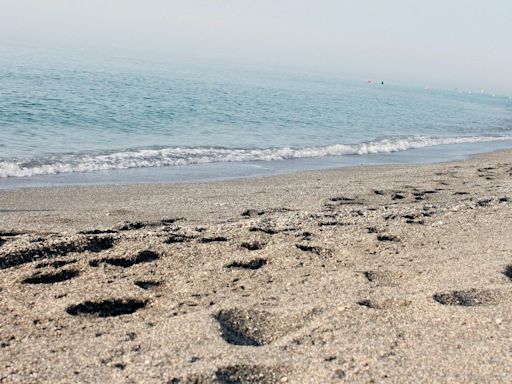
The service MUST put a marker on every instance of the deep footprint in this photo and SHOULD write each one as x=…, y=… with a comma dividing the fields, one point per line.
x=215, y=239
x=469, y=298
x=141, y=257
x=106, y=308
x=508, y=271
x=236, y=330
x=252, y=246
x=387, y=238
x=253, y=264
x=89, y=244
x=255, y=327
x=51, y=278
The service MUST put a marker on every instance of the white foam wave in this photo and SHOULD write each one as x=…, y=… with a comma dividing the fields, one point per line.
x=182, y=156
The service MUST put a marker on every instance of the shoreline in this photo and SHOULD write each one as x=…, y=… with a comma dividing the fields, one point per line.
x=224, y=171
x=392, y=273
x=125, y=197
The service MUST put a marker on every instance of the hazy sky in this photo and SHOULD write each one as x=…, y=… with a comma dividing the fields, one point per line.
x=448, y=43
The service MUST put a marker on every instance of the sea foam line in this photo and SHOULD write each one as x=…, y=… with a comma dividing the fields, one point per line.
x=140, y=158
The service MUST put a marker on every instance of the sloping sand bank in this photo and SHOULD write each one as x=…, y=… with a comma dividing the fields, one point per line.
x=360, y=275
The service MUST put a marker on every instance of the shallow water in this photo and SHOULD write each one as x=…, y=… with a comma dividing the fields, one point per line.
x=83, y=115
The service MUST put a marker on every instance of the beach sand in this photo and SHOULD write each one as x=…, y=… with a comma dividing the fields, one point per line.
x=375, y=274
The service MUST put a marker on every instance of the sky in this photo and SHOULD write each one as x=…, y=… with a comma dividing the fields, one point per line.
x=440, y=43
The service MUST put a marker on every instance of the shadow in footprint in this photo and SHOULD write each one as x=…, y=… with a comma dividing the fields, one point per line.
x=254, y=246
x=88, y=244
x=141, y=257
x=10, y=233
x=248, y=374
x=237, y=374
x=98, y=232
x=177, y=238
x=253, y=264
x=51, y=278
x=215, y=239
x=106, y=308
x=508, y=271
x=387, y=238
x=132, y=226
x=397, y=196
x=236, y=329
x=469, y=298
x=249, y=327
x=252, y=213
x=147, y=284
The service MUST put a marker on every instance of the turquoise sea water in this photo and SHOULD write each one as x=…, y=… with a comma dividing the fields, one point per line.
x=89, y=118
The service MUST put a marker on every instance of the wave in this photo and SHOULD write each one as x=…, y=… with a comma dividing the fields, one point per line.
x=175, y=156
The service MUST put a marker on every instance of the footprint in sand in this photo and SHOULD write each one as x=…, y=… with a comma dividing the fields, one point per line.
x=484, y=201
x=387, y=278
x=508, y=271
x=61, y=248
x=469, y=298
x=135, y=225
x=178, y=238
x=387, y=303
x=398, y=196
x=106, y=308
x=253, y=246
x=51, y=278
x=145, y=256
x=267, y=230
x=253, y=264
x=216, y=239
x=247, y=327
x=237, y=374
x=98, y=232
x=309, y=248
x=390, y=238
x=147, y=284
x=252, y=213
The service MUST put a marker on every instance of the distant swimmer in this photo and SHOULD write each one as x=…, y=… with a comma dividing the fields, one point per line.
x=382, y=82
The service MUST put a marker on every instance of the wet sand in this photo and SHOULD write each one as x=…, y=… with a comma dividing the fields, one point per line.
x=392, y=274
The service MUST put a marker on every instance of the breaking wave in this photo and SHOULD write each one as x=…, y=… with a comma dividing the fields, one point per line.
x=174, y=156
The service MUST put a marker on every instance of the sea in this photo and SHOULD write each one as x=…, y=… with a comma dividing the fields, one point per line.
x=68, y=119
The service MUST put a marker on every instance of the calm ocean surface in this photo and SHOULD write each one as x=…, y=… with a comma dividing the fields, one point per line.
x=92, y=120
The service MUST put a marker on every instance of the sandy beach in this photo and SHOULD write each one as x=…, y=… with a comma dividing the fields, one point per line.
x=374, y=274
